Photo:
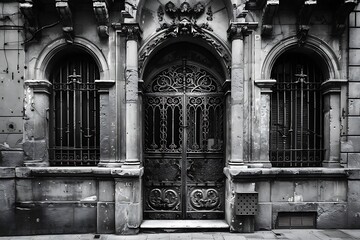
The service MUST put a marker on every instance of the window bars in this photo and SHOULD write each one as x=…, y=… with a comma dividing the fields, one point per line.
x=74, y=115
x=296, y=128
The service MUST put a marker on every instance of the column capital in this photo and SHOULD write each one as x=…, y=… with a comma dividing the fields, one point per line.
x=131, y=31
x=104, y=85
x=239, y=30
x=39, y=86
x=333, y=85
x=265, y=84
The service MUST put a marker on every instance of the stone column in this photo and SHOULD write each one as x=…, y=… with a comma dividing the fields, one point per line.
x=236, y=33
x=131, y=32
x=36, y=123
x=128, y=180
x=237, y=91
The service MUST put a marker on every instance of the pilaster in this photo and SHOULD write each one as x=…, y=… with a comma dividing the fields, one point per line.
x=261, y=137
x=36, y=122
x=107, y=159
x=332, y=92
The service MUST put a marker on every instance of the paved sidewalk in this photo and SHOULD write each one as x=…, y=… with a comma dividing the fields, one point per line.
x=309, y=234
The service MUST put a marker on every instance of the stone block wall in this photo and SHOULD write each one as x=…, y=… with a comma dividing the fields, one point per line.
x=63, y=203
x=7, y=201
x=350, y=151
x=331, y=195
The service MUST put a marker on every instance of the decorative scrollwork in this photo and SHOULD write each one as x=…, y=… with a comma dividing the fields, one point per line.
x=163, y=199
x=179, y=78
x=160, y=135
x=205, y=198
x=202, y=31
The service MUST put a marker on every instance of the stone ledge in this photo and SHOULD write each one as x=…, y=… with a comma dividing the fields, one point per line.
x=245, y=173
x=54, y=204
x=29, y=172
x=353, y=173
x=128, y=172
x=7, y=172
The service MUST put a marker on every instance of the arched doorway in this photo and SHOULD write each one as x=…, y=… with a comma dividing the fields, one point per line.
x=184, y=135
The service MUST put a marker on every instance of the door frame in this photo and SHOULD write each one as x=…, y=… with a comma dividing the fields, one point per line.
x=185, y=96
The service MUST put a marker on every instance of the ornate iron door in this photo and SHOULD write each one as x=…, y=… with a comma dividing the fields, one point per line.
x=184, y=133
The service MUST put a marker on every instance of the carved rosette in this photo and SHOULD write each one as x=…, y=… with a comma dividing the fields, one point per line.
x=163, y=199
x=205, y=199
x=131, y=31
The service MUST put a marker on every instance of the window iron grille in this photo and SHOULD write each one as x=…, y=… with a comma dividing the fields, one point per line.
x=74, y=117
x=296, y=129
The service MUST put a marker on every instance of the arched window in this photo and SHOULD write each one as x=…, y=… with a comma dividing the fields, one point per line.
x=74, y=111
x=296, y=125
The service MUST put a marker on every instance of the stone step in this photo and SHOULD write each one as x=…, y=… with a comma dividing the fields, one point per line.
x=176, y=224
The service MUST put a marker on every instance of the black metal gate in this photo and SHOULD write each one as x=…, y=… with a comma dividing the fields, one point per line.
x=296, y=134
x=74, y=115
x=184, y=133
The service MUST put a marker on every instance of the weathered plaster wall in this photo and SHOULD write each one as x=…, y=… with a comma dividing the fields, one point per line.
x=11, y=85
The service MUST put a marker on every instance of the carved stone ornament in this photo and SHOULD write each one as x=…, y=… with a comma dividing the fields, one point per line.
x=131, y=31
x=239, y=30
x=183, y=23
x=102, y=17
x=205, y=198
x=28, y=9
x=65, y=14
x=160, y=13
x=163, y=199
x=302, y=34
x=197, y=32
x=183, y=18
x=209, y=14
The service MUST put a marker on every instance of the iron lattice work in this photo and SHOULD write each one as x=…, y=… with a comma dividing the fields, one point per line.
x=184, y=78
x=184, y=131
x=74, y=115
x=296, y=134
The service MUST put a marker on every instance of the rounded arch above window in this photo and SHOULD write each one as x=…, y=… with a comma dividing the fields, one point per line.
x=58, y=48
x=299, y=64
x=316, y=49
x=72, y=61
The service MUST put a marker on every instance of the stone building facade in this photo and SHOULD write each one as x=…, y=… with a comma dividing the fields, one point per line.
x=117, y=116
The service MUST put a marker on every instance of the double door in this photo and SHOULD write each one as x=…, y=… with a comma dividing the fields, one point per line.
x=184, y=160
